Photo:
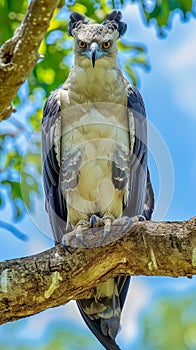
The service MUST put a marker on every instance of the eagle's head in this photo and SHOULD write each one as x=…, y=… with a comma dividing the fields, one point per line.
x=96, y=43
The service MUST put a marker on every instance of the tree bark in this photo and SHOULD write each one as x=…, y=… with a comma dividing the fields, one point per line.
x=19, y=54
x=32, y=284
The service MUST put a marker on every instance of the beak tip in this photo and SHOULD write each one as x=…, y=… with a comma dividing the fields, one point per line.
x=93, y=58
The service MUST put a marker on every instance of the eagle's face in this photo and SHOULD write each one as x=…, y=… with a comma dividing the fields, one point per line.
x=95, y=45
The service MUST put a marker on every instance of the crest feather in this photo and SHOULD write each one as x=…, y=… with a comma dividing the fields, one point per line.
x=112, y=22
x=114, y=19
x=75, y=19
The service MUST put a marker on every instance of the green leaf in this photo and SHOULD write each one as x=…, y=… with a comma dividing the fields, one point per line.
x=162, y=11
x=2, y=201
x=172, y=325
x=16, y=198
x=11, y=15
x=35, y=120
x=122, y=46
x=52, y=70
x=35, y=159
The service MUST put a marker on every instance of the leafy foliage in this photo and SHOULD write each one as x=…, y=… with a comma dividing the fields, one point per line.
x=172, y=326
x=161, y=12
x=11, y=14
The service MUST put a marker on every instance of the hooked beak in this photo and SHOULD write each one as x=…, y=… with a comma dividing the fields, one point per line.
x=94, y=48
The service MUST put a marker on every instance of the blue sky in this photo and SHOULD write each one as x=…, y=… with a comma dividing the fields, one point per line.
x=169, y=92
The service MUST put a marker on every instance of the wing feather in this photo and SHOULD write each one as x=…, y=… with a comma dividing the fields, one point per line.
x=55, y=203
x=139, y=179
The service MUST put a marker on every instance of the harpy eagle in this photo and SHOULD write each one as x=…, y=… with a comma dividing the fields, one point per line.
x=94, y=153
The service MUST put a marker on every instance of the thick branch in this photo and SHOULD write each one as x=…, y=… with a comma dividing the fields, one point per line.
x=32, y=284
x=20, y=53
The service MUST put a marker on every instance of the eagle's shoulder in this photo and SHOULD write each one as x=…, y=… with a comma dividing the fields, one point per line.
x=135, y=100
x=52, y=106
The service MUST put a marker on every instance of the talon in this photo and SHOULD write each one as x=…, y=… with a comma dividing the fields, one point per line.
x=81, y=226
x=138, y=218
x=80, y=239
x=94, y=221
x=107, y=225
x=106, y=233
x=141, y=218
x=107, y=220
x=124, y=222
x=65, y=244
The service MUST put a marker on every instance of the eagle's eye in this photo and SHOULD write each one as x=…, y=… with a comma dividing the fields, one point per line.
x=106, y=45
x=82, y=44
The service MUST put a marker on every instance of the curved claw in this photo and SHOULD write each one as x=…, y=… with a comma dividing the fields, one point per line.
x=80, y=227
x=65, y=244
x=107, y=220
x=94, y=221
x=80, y=239
x=76, y=238
x=125, y=225
x=138, y=218
x=122, y=224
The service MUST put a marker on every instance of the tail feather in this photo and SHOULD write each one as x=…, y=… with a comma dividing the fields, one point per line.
x=95, y=327
x=102, y=313
x=110, y=326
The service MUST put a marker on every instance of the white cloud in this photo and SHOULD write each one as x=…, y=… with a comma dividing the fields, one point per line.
x=183, y=57
x=37, y=325
x=138, y=297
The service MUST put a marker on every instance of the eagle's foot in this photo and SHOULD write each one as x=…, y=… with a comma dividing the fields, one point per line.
x=77, y=237
x=126, y=221
x=115, y=228
x=102, y=231
x=80, y=227
x=105, y=221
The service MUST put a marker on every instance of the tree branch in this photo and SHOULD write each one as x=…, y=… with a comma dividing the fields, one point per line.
x=19, y=54
x=32, y=284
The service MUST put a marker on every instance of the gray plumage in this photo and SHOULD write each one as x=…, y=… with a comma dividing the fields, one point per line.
x=94, y=153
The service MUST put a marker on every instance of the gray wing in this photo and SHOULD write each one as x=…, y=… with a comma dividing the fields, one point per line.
x=140, y=198
x=55, y=203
